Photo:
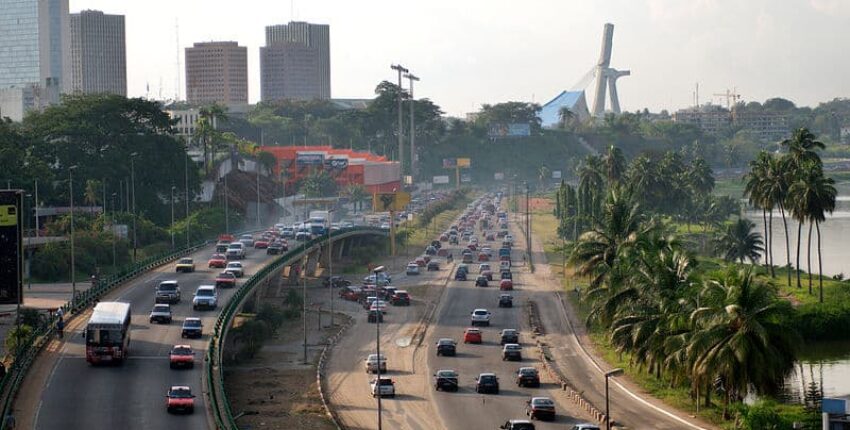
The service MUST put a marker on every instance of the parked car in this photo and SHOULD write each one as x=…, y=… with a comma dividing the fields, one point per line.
x=383, y=386
x=179, y=398
x=192, y=328
x=541, y=408
x=167, y=292
x=161, y=314
x=217, y=261
x=527, y=377
x=508, y=335
x=225, y=280
x=480, y=317
x=512, y=352
x=446, y=347
x=236, y=268
x=472, y=335
x=412, y=269
x=186, y=265
x=487, y=383
x=446, y=380
x=181, y=356
x=374, y=363
x=506, y=301
x=205, y=297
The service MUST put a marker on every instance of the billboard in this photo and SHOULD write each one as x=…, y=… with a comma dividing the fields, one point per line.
x=509, y=130
x=556, y=174
x=310, y=159
x=464, y=162
x=336, y=163
x=441, y=179
x=384, y=202
x=449, y=163
x=11, y=248
x=465, y=177
x=499, y=176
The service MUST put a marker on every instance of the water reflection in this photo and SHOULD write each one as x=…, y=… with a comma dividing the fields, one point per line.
x=823, y=368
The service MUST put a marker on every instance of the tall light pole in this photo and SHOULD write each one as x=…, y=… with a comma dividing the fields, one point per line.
x=411, y=78
x=112, y=227
x=73, y=268
x=186, y=185
x=304, y=302
x=172, y=215
x=401, y=70
x=331, y=262
x=133, y=186
x=35, y=203
x=609, y=374
x=378, y=317
x=527, y=223
x=226, y=209
x=258, y=191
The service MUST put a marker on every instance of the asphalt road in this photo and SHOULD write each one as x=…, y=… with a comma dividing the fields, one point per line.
x=131, y=396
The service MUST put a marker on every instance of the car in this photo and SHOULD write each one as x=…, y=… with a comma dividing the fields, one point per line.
x=179, y=398
x=508, y=335
x=444, y=237
x=375, y=364
x=186, y=265
x=431, y=250
x=490, y=236
x=181, y=356
x=527, y=377
x=480, y=317
x=375, y=317
x=487, y=274
x=383, y=386
x=481, y=281
x=446, y=347
x=383, y=278
x=236, y=268
x=378, y=305
x=504, y=252
x=436, y=244
x=400, y=298
x=433, y=266
x=192, y=328
x=502, y=233
x=504, y=265
x=483, y=267
x=387, y=292
x=506, y=285
x=420, y=262
x=167, y=292
x=506, y=274
x=463, y=267
x=483, y=257
x=217, y=261
x=467, y=259
x=446, y=380
x=412, y=269
x=487, y=383
x=221, y=246
x=302, y=235
x=205, y=297
x=261, y=243
x=235, y=251
x=517, y=425
x=487, y=250
x=509, y=238
x=472, y=247
x=225, y=280
x=161, y=314
x=287, y=232
x=585, y=426
x=453, y=240
x=506, y=301
x=472, y=335
x=512, y=352
x=247, y=239
x=460, y=275
x=275, y=248
x=541, y=408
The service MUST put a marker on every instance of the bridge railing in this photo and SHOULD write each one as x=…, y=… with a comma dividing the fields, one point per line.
x=214, y=370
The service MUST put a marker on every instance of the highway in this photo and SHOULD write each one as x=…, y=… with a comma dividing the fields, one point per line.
x=131, y=396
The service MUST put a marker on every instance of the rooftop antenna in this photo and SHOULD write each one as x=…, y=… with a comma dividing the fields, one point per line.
x=177, y=58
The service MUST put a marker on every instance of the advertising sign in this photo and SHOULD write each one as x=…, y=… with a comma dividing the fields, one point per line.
x=337, y=163
x=384, y=202
x=464, y=162
x=408, y=180
x=509, y=130
x=441, y=179
x=11, y=248
x=499, y=176
x=310, y=159
x=556, y=174
x=465, y=177
x=449, y=163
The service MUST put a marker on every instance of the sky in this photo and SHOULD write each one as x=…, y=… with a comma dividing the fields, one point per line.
x=471, y=52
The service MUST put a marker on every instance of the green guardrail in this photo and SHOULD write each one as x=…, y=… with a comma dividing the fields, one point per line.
x=219, y=405
x=41, y=335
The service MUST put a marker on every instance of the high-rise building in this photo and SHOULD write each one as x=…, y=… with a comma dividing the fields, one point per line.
x=295, y=63
x=34, y=54
x=217, y=72
x=98, y=53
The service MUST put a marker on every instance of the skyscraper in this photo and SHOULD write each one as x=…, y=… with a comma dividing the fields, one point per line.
x=34, y=54
x=217, y=72
x=295, y=63
x=98, y=53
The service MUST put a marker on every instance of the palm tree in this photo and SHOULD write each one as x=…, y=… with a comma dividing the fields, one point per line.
x=739, y=242
x=742, y=338
x=590, y=186
x=91, y=193
x=565, y=116
x=206, y=131
x=774, y=190
x=754, y=191
x=615, y=164
x=802, y=147
x=356, y=193
x=542, y=175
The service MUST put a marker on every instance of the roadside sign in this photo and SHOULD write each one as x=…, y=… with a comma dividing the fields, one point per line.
x=499, y=176
x=464, y=162
x=11, y=247
x=556, y=174
x=384, y=202
x=441, y=179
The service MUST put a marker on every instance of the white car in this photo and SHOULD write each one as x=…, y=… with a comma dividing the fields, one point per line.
x=510, y=239
x=235, y=268
x=235, y=251
x=372, y=363
x=205, y=297
x=412, y=269
x=484, y=267
x=247, y=239
x=383, y=387
x=378, y=305
x=161, y=314
x=480, y=317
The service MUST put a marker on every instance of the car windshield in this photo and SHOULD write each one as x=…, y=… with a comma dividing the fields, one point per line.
x=480, y=313
x=386, y=381
x=217, y=257
x=192, y=323
x=161, y=308
x=508, y=332
x=513, y=347
x=543, y=402
x=180, y=393
x=205, y=293
x=167, y=287
x=527, y=371
x=234, y=265
x=186, y=261
x=447, y=374
x=181, y=350
x=487, y=378
x=446, y=342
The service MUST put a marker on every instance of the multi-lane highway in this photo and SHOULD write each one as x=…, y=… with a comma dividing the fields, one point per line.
x=131, y=396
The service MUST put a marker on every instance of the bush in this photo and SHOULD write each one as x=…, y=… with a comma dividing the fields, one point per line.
x=434, y=209
x=16, y=337
x=823, y=321
x=251, y=334
x=769, y=415
x=272, y=315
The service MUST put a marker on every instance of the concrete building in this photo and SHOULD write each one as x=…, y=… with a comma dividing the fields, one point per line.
x=98, y=53
x=713, y=119
x=295, y=63
x=34, y=54
x=575, y=101
x=217, y=72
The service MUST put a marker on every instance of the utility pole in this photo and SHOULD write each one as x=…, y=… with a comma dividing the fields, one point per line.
x=73, y=268
x=226, y=211
x=172, y=216
x=331, y=261
x=257, y=165
x=133, y=180
x=527, y=223
x=304, y=301
x=401, y=70
x=378, y=317
x=36, y=208
x=186, y=185
x=112, y=227
x=411, y=78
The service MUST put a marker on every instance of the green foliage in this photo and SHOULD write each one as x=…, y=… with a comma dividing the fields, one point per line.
x=17, y=337
x=769, y=415
x=251, y=334
x=204, y=224
x=510, y=113
x=30, y=317
x=272, y=315
x=318, y=184
x=738, y=242
x=448, y=203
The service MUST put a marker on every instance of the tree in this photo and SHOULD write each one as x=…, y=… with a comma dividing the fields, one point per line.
x=511, y=113
x=92, y=193
x=356, y=193
x=267, y=160
x=542, y=175
x=318, y=184
x=615, y=164
x=207, y=134
x=755, y=191
x=565, y=117
x=816, y=196
x=738, y=242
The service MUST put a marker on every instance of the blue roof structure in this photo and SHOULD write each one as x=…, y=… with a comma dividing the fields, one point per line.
x=573, y=100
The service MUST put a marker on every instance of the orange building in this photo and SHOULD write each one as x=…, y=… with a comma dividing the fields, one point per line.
x=347, y=167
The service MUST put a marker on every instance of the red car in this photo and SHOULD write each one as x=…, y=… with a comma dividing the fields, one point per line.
x=217, y=260
x=181, y=356
x=506, y=285
x=472, y=335
x=420, y=262
x=180, y=399
x=472, y=246
x=261, y=244
x=490, y=237
x=483, y=257
x=225, y=280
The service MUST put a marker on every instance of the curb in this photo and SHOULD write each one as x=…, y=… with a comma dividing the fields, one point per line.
x=320, y=371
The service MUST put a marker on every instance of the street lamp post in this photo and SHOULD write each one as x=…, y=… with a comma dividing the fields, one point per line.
x=331, y=262
x=133, y=186
x=186, y=185
x=73, y=268
x=258, y=191
x=304, y=302
x=609, y=374
x=411, y=78
x=172, y=216
x=112, y=227
x=226, y=209
x=378, y=346
x=401, y=70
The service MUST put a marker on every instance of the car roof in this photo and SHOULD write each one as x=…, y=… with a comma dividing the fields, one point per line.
x=191, y=319
x=512, y=345
x=509, y=330
x=180, y=387
x=206, y=287
x=486, y=374
x=473, y=330
x=446, y=339
x=181, y=346
x=446, y=371
x=170, y=281
x=480, y=309
x=538, y=399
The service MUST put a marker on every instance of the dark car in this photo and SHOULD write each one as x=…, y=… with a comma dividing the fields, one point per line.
x=487, y=383
x=517, y=425
x=506, y=274
x=541, y=408
x=375, y=316
x=481, y=281
x=445, y=380
x=527, y=377
x=275, y=248
x=431, y=250
x=506, y=301
x=433, y=266
x=460, y=275
x=400, y=298
x=512, y=352
x=446, y=347
x=453, y=239
x=436, y=244
x=192, y=327
x=509, y=335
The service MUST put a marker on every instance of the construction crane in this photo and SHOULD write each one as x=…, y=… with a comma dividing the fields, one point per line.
x=732, y=97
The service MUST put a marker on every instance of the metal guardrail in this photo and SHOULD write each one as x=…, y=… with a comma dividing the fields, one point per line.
x=41, y=335
x=219, y=405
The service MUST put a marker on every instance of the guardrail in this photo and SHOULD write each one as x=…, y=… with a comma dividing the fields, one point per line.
x=41, y=335
x=214, y=371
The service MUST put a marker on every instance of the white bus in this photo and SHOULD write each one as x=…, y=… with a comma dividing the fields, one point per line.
x=108, y=333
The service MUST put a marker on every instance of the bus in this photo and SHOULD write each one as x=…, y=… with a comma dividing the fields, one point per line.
x=108, y=333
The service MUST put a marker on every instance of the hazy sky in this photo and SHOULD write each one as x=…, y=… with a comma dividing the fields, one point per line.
x=469, y=52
